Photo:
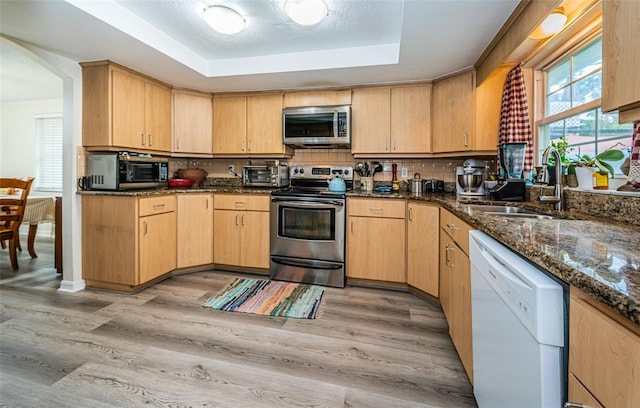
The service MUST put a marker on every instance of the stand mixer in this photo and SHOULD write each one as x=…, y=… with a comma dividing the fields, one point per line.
x=470, y=179
x=512, y=186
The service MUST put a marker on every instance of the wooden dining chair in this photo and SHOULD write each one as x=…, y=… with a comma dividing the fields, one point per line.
x=12, y=213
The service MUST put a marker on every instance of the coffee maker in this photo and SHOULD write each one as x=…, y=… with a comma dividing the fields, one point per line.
x=511, y=186
x=470, y=179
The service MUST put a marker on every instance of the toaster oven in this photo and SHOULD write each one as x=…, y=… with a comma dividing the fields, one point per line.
x=270, y=173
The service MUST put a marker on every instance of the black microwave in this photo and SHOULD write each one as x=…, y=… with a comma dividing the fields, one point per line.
x=316, y=127
x=126, y=171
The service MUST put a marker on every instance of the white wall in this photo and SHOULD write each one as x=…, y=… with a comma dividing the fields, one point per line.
x=18, y=136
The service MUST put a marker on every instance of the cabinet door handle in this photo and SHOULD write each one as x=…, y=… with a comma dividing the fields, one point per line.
x=452, y=227
x=242, y=220
x=144, y=224
x=410, y=214
x=394, y=145
x=249, y=146
x=447, y=262
x=236, y=219
x=242, y=146
x=386, y=145
x=177, y=144
x=239, y=203
x=375, y=209
x=466, y=140
x=142, y=138
x=206, y=204
x=156, y=206
x=570, y=404
x=150, y=140
x=352, y=227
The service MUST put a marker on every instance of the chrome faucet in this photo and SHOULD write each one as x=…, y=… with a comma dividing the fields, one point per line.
x=543, y=178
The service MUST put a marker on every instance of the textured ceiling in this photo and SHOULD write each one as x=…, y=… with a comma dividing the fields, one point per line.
x=361, y=41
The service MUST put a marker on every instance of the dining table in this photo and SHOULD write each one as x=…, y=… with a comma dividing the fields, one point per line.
x=41, y=209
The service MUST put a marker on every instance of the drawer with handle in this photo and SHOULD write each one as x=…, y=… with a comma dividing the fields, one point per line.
x=384, y=208
x=157, y=205
x=457, y=229
x=247, y=202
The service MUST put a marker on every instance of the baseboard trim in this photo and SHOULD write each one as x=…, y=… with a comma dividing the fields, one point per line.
x=72, y=286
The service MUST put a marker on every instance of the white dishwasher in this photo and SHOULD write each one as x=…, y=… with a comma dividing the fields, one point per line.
x=518, y=318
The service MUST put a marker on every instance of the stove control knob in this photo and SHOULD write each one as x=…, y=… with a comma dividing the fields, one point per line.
x=295, y=171
x=346, y=172
x=301, y=171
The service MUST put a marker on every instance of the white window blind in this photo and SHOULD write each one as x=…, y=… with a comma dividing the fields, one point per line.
x=49, y=154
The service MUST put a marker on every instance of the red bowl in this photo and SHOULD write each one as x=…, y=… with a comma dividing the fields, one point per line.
x=176, y=182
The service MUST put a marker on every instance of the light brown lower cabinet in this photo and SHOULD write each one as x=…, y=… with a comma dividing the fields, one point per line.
x=127, y=241
x=376, y=239
x=455, y=285
x=423, y=226
x=241, y=230
x=604, y=357
x=194, y=229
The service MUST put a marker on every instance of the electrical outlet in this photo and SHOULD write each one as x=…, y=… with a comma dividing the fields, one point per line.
x=405, y=172
x=232, y=169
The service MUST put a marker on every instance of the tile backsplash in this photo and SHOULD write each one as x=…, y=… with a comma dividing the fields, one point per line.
x=441, y=169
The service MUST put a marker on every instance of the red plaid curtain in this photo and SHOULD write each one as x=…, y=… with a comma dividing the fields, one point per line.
x=514, y=115
x=634, y=164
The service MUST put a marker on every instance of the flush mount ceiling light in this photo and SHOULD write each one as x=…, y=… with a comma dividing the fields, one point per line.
x=306, y=12
x=224, y=19
x=551, y=25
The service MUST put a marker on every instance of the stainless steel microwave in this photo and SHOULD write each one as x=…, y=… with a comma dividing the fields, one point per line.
x=126, y=171
x=316, y=127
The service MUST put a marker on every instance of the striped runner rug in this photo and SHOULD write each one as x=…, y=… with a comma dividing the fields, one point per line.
x=272, y=298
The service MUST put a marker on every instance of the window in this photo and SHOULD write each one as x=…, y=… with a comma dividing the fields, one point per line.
x=573, y=88
x=49, y=153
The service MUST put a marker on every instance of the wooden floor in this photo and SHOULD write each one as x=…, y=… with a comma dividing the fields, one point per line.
x=160, y=347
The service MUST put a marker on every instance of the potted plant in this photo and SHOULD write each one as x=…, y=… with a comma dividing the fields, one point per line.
x=586, y=166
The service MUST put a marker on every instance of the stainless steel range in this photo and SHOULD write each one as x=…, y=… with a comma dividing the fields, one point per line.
x=308, y=227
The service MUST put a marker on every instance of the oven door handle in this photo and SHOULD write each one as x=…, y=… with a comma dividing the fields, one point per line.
x=314, y=203
x=306, y=264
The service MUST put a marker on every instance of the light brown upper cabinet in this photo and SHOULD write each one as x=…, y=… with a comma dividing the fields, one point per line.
x=391, y=120
x=465, y=117
x=453, y=113
x=621, y=58
x=248, y=125
x=317, y=98
x=192, y=123
x=264, y=125
x=229, y=124
x=123, y=109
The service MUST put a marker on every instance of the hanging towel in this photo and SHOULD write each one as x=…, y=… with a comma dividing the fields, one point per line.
x=514, y=115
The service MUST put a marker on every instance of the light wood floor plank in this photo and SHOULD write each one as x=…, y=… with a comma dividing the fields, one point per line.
x=161, y=347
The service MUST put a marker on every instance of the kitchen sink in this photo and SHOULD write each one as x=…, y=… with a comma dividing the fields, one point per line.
x=508, y=211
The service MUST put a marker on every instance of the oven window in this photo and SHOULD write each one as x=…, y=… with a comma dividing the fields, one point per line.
x=307, y=223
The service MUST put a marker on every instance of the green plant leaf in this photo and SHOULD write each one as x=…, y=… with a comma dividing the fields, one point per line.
x=605, y=168
x=610, y=155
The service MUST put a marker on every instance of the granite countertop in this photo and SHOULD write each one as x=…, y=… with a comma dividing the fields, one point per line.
x=191, y=190
x=596, y=255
